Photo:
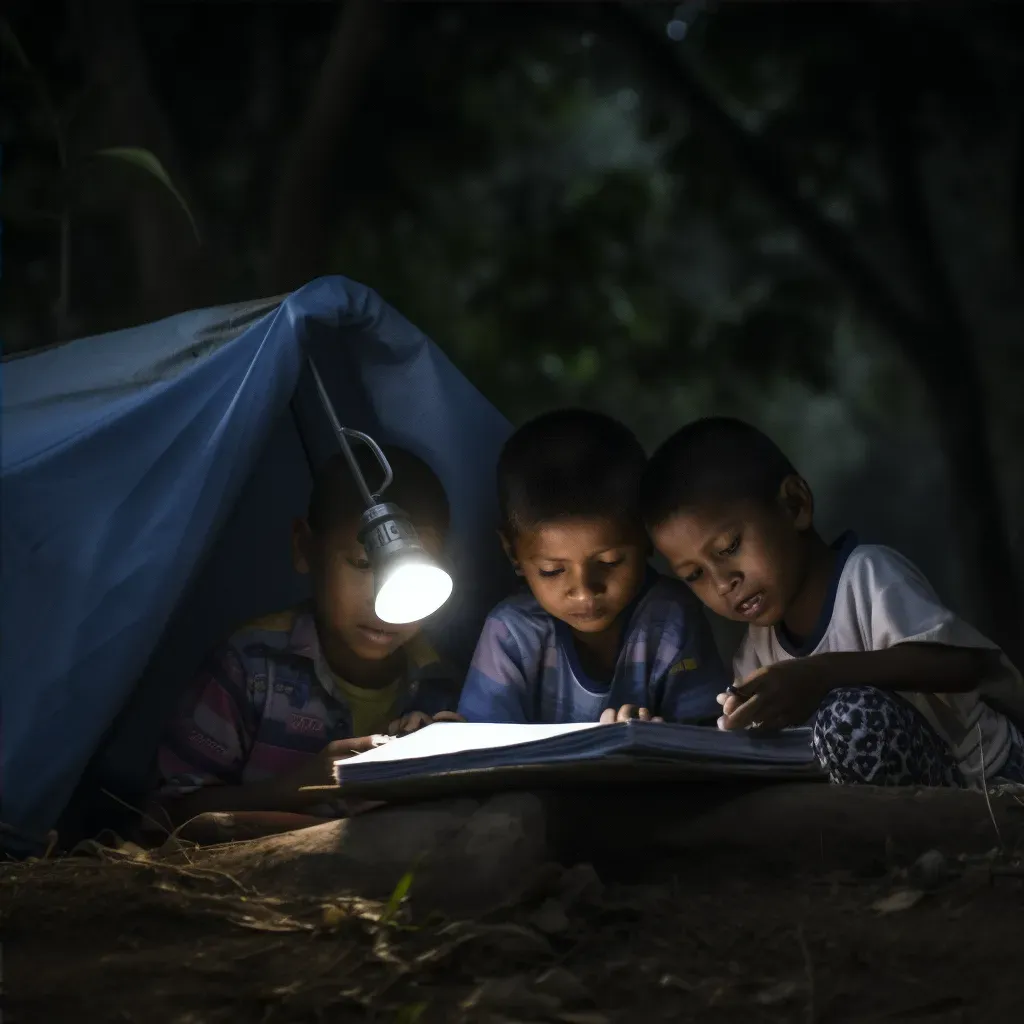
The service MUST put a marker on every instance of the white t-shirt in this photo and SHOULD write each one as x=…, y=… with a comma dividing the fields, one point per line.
x=880, y=599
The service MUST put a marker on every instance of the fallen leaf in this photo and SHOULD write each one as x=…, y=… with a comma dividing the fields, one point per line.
x=674, y=981
x=507, y=938
x=563, y=985
x=902, y=899
x=510, y=995
x=333, y=916
x=781, y=992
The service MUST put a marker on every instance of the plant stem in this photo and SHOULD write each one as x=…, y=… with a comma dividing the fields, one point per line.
x=64, y=292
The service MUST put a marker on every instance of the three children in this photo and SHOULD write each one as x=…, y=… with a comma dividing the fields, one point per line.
x=848, y=638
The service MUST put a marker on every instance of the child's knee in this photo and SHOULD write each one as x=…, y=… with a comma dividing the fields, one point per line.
x=865, y=735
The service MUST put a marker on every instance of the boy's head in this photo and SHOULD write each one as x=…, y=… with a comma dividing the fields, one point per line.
x=326, y=546
x=731, y=516
x=568, y=487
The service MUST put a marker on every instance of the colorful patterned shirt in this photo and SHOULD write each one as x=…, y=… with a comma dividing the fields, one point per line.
x=266, y=702
x=526, y=668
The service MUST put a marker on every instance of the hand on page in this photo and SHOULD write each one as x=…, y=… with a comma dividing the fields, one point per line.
x=319, y=770
x=415, y=720
x=628, y=711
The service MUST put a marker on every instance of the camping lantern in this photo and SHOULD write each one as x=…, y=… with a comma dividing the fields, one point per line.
x=408, y=584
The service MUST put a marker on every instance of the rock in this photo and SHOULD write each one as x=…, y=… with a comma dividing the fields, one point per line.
x=929, y=870
x=780, y=826
x=580, y=885
x=467, y=856
x=550, y=918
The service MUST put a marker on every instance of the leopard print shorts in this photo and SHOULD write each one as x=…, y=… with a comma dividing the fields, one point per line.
x=864, y=735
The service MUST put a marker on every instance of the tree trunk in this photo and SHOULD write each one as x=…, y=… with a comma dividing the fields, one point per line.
x=306, y=200
x=123, y=111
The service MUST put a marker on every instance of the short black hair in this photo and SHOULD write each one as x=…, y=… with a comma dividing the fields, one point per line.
x=713, y=460
x=569, y=463
x=336, y=501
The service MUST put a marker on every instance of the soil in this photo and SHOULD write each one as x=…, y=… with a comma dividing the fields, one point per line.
x=126, y=936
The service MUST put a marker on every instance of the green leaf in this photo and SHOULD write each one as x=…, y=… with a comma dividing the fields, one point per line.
x=399, y=893
x=147, y=161
x=410, y=1014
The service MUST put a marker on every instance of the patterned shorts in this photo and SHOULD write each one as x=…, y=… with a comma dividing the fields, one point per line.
x=864, y=735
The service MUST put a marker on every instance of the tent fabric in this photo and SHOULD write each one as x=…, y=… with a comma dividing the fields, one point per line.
x=149, y=477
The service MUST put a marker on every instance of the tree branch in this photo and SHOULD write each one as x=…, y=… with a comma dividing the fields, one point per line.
x=1017, y=212
x=952, y=376
x=667, y=64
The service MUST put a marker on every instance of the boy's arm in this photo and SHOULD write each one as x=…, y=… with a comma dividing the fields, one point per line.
x=912, y=667
x=284, y=793
x=789, y=692
x=498, y=687
x=204, y=751
x=911, y=640
x=696, y=676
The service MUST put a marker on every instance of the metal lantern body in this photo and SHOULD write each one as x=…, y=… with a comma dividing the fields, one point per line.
x=408, y=585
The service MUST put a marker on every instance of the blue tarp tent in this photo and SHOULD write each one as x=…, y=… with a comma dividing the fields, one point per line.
x=149, y=479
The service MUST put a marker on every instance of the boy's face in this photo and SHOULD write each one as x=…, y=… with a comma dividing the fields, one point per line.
x=582, y=571
x=342, y=585
x=745, y=561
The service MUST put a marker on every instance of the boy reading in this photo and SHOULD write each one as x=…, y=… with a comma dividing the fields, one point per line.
x=597, y=636
x=900, y=689
x=290, y=693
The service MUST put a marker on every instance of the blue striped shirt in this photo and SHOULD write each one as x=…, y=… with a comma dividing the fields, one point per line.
x=526, y=669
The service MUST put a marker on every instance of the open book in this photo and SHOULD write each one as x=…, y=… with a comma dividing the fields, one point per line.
x=453, y=756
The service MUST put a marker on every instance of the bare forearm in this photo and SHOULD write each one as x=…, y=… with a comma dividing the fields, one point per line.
x=912, y=667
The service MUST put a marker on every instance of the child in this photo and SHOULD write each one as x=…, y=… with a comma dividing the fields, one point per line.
x=288, y=694
x=598, y=636
x=901, y=690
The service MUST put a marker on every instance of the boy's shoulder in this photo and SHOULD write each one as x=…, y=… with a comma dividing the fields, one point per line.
x=284, y=634
x=875, y=567
x=521, y=610
x=276, y=624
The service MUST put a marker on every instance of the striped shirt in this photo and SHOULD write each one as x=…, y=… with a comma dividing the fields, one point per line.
x=266, y=703
x=526, y=668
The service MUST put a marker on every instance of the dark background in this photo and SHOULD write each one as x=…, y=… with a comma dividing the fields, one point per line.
x=810, y=215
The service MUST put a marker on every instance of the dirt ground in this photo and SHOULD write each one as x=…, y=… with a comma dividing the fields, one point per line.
x=123, y=937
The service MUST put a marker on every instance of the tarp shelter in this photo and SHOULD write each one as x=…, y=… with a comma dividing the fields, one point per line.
x=149, y=479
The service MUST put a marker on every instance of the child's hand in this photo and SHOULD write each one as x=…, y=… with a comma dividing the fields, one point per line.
x=775, y=697
x=319, y=770
x=417, y=719
x=628, y=711
x=409, y=723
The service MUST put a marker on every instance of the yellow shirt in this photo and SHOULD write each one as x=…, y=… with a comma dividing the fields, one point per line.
x=372, y=709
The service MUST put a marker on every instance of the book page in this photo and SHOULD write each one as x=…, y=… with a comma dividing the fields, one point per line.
x=455, y=737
